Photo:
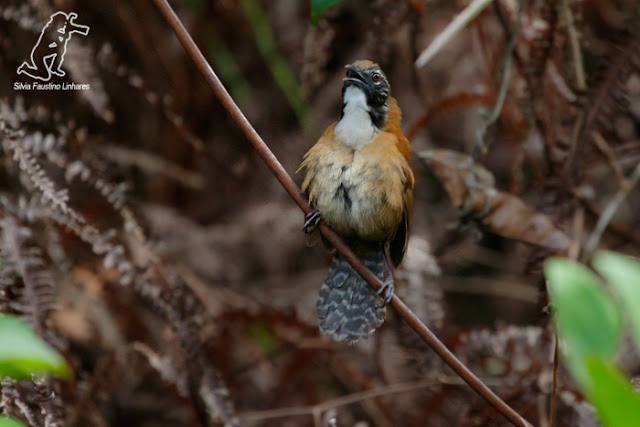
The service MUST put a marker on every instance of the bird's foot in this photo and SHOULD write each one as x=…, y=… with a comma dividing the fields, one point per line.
x=386, y=292
x=311, y=221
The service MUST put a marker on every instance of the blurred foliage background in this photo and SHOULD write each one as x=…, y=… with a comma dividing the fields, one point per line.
x=145, y=240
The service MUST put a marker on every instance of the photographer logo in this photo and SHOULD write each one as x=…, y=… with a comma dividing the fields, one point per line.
x=47, y=56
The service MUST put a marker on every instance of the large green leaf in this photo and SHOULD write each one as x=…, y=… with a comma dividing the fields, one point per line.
x=586, y=316
x=23, y=353
x=319, y=6
x=10, y=422
x=617, y=403
x=623, y=273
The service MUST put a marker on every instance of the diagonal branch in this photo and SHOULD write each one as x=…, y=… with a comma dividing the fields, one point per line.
x=296, y=194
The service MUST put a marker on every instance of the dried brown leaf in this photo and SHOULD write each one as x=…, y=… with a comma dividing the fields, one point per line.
x=471, y=189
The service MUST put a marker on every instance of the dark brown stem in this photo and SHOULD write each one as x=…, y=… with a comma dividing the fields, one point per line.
x=296, y=194
x=554, y=387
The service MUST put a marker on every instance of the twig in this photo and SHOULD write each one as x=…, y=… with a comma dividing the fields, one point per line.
x=349, y=399
x=542, y=410
x=152, y=164
x=481, y=147
x=535, y=83
x=490, y=287
x=296, y=194
x=559, y=84
x=609, y=212
x=454, y=27
x=554, y=386
x=616, y=228
x=575, y=45
x=575, y=135
x=573, y=252
x=606, y=150
x=576, y=234
x=581, y=84
x=350, y=374
x=447, y=105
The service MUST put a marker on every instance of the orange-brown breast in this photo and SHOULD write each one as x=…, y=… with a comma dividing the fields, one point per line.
x=366, y=192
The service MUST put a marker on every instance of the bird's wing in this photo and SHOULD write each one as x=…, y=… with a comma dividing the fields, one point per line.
x=398, y=245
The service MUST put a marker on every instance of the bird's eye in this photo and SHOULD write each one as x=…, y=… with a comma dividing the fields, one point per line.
x=375, y=77
x=346, y=74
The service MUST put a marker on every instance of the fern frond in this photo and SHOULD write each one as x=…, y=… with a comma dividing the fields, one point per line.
x=34, y=300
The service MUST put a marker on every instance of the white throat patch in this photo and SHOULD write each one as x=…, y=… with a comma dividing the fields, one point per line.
x=355, y=129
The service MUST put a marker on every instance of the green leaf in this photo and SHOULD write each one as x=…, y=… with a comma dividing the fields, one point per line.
x=10, y=422
x=613, y=397
x=623, y=273
x=319, y=6
x=267, y=46
x=585, y=314
x=23, y=353
x=264, y=338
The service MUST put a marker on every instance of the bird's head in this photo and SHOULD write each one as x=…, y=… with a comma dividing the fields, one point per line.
x=368, y=77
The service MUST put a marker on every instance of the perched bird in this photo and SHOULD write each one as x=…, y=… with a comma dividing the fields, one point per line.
x=358, y=179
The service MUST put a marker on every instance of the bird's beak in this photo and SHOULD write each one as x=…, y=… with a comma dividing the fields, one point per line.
x=354, y=77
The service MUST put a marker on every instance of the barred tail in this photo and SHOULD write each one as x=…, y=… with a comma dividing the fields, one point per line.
x=347, y=306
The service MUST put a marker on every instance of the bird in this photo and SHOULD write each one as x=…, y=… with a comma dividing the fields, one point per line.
x=359, y=181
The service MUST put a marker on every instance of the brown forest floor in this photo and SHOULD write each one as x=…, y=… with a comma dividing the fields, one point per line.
x=165, y=262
